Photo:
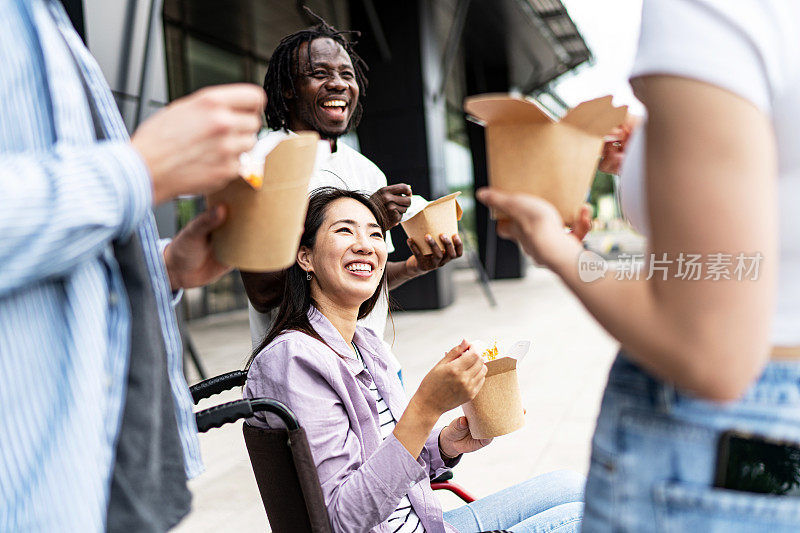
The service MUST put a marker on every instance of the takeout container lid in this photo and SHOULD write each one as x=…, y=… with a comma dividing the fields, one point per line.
x=439, y=217
x=530, y=151
x=264, y=226
x=497, y=408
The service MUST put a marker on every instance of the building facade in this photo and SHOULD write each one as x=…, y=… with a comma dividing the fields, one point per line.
x=424, y=57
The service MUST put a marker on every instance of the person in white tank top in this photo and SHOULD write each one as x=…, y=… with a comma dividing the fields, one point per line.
x=721, y=84
x=713, y=173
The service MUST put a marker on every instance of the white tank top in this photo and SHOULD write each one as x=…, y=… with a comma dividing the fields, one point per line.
x=749, y=47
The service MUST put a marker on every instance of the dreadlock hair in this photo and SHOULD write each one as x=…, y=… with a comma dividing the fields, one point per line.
x=282, y=70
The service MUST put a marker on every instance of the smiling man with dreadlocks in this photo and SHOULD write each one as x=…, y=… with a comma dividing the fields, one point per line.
x=317, y=82
x=307, y=55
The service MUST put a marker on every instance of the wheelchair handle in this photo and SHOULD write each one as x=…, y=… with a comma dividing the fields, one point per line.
x=217, y=384
x=226, y=413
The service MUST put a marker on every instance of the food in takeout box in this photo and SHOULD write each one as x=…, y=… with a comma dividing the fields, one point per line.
x=251, y=164
x=265, y=222
x=431, y=218
x=488, y=354
x=497, y=408
x=530, y=151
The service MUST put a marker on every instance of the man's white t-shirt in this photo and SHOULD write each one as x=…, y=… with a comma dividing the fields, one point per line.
x=346, y=169
x=748, y=47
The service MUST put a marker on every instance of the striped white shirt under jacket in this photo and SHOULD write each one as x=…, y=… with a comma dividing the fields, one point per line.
x=403, y=519
x=64, y=321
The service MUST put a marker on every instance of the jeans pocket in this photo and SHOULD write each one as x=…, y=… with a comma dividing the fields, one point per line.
x=682, y=507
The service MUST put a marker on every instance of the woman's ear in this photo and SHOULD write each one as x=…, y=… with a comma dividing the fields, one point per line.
x=304, y=256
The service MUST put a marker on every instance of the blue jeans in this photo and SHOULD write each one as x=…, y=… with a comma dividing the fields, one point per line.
x=550, y=502
x=654, y=455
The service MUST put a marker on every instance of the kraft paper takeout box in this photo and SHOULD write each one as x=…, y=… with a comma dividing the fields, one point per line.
x=530, y=151
x=264, y=226
x=497, y=408
x=436, y=218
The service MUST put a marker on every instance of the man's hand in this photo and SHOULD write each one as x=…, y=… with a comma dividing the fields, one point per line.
x=395, y=199
x=456, y=439
x=419, y=264
x=189, y=257
x=192, y=146
x=264, y=289
x=398, y=272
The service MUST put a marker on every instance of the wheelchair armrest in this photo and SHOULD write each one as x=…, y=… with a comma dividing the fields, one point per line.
x=225, y=413
x=446, y=476
x=217, y=384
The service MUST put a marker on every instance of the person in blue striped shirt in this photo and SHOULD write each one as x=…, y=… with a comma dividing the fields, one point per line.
x=96, y=426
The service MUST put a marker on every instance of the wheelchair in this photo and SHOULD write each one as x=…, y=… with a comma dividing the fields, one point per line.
x=282, y=463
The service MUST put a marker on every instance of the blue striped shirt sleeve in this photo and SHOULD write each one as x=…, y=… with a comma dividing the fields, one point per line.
x=65, y=324
x=60, y=208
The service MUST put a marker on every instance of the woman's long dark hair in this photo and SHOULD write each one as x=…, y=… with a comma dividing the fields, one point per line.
x=293, y=311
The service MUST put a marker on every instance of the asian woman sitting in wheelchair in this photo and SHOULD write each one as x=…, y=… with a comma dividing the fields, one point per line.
x=375, y=450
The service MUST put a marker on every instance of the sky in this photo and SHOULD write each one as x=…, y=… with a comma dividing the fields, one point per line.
x=611, y=29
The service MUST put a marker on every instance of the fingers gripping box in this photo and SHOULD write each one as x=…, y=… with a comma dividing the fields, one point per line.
x=434, y=218
x=497, y=408
x=530, y=151
x=264, y=225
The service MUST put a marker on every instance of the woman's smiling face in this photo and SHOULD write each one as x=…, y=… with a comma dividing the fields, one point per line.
x=349, y=254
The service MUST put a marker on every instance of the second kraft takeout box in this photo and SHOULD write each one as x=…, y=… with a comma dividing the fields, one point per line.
x=497, y=408
x=435, y=218
x=264, y=225
x=529, y=151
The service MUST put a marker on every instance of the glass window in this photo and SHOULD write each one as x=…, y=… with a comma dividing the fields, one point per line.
x=209, y=42
x=210, y=65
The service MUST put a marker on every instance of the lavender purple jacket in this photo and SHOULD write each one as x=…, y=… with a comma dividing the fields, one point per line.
x=363, y=477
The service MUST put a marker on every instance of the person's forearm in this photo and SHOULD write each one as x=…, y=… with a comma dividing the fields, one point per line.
x=264, y=290
x=414, y=427
x=62, y=209
x=397, y=273
x=657, y=331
